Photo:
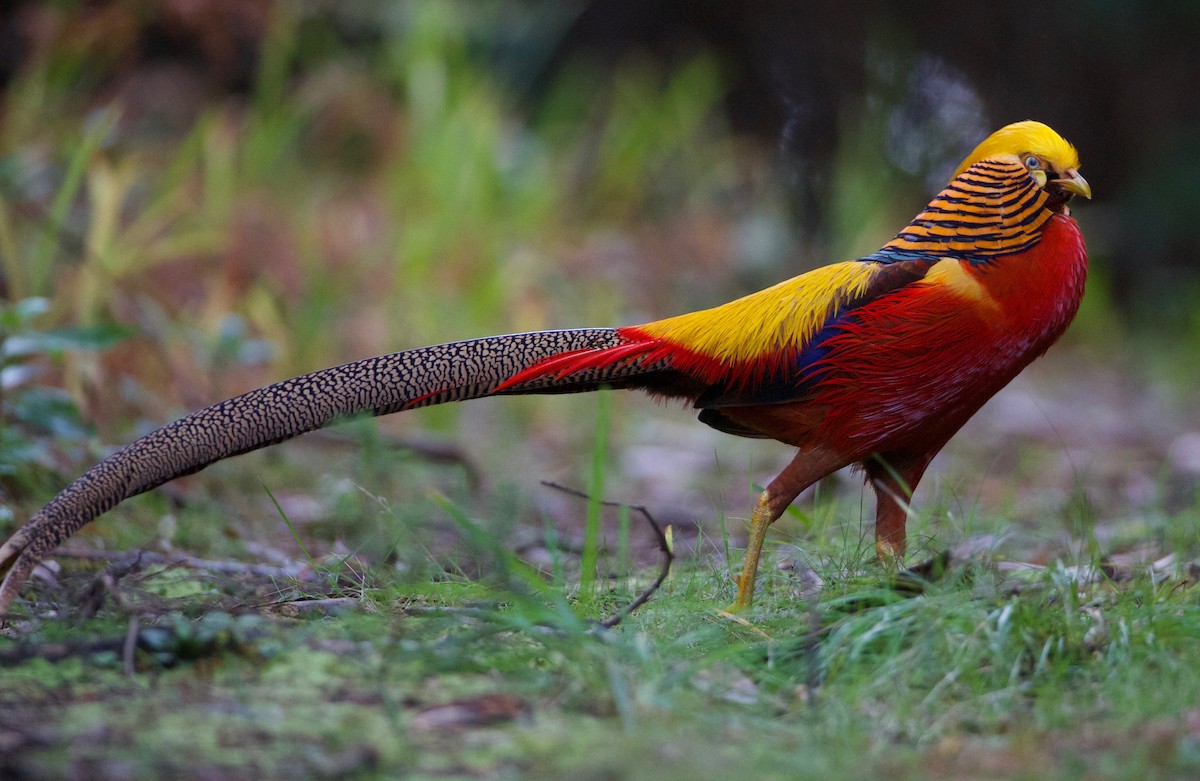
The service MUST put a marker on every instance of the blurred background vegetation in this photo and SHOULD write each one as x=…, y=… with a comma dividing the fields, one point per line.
x=198, y=197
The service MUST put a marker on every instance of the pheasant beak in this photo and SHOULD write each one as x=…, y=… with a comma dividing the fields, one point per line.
x=1075, y=184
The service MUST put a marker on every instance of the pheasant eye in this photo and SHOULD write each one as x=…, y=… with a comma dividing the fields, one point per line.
x=1032, y=163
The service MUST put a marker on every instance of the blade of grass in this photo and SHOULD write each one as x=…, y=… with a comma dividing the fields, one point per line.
x=558, y=573
x=291, y=527
x=97, y=129
x=515, y=575
x=624, y=565
x=9, y=257
x=591, y=532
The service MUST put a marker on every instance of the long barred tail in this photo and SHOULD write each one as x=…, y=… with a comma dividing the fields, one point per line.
x=379, y=386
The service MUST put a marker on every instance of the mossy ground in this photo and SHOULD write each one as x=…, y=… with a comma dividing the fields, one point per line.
x=990, y=671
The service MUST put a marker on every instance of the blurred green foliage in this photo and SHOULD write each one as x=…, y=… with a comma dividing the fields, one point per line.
x=352, y=203
x=386, y=181
x=34, y=414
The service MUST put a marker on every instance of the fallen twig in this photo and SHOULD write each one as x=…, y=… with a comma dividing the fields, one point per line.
x=128, y=558
x=57, y=651
x=663, y=545
x=324, y=605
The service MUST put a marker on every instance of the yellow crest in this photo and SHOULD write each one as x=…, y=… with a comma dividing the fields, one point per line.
x=1021, y=139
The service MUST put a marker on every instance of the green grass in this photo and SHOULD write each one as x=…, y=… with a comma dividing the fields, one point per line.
x=467, y=661
x=981, y=675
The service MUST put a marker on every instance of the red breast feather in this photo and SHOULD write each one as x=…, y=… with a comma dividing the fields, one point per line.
x=905, y=372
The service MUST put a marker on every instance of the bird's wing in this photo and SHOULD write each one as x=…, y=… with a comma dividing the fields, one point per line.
x=753, y=350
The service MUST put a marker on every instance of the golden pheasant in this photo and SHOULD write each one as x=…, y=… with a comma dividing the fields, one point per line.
x=874, y=362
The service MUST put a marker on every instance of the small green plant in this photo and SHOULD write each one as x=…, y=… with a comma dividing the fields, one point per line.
x=38, y=419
